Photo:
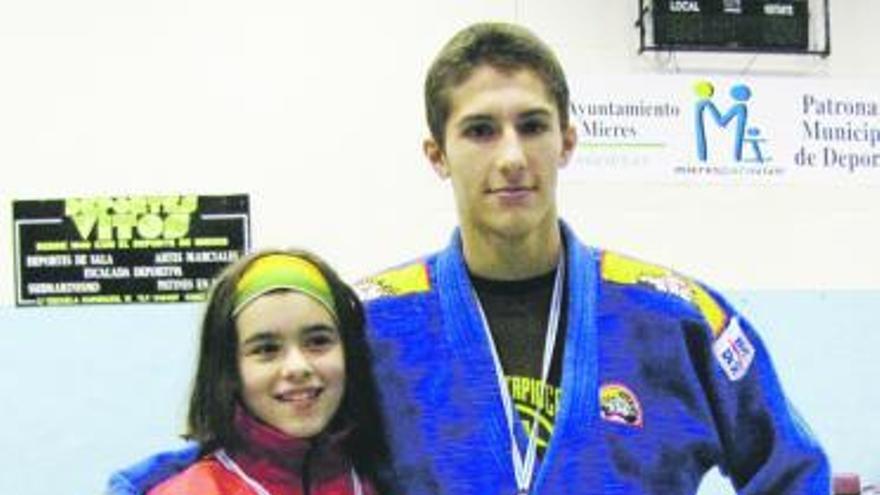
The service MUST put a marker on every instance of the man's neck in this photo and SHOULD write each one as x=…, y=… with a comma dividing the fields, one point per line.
x=503, y=258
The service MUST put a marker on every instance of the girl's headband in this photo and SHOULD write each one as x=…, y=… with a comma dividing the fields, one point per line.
x=282, y=272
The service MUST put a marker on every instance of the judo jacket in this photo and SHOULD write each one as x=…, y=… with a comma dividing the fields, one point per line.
x=661, y=381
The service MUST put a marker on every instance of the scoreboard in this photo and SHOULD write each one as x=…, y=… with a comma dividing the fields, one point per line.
x=747, y=24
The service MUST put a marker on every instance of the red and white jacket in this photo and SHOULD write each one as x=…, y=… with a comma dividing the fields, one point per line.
x=270, y=462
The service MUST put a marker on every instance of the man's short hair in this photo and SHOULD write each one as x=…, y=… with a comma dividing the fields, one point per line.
x=507, y=47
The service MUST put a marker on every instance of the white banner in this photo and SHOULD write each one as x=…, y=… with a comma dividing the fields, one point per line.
x=723, y=129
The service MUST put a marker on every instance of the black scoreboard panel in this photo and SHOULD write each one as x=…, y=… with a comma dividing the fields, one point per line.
x=751, y=24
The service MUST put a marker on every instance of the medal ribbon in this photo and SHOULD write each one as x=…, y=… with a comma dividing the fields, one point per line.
x=259, y=489
x=524, y=466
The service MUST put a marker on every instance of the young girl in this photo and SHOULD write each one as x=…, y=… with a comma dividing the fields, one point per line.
x=283, y=401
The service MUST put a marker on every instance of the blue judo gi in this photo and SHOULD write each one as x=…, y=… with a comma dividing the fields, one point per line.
x=661, y=381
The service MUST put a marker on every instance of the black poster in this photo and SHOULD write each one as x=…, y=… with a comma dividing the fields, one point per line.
x=127, y=249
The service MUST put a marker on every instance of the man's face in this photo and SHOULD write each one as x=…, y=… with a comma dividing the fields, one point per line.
x=503, y=148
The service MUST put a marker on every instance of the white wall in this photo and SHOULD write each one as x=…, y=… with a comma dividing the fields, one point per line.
x=297, y=104
x=314, y=109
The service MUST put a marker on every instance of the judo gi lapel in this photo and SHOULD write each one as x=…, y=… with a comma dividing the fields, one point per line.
x=469, y=344
x=575, y=424
x=575, y=427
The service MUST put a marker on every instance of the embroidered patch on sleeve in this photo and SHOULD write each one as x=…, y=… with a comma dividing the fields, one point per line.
x=734, y=351
x=618, y=404
x=630, y=271
x=409, y=279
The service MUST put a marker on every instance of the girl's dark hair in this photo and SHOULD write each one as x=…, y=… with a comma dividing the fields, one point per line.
x=216, y=386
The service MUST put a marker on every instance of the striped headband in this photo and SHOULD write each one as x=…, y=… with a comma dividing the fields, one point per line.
x=279, y=272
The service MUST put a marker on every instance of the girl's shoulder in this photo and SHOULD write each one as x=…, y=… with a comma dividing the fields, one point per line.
x=206, y=477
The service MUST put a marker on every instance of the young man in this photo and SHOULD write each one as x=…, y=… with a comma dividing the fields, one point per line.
x=518, y=360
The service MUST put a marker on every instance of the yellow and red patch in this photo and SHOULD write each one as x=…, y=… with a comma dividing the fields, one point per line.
x=408, y=279
x=624, y=270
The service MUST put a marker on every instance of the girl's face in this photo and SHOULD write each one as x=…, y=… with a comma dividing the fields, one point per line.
x=291, y=362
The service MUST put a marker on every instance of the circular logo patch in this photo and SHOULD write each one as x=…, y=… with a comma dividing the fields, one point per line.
x=619, y=404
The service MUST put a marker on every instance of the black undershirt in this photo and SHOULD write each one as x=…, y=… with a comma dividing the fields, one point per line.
x=517, y=313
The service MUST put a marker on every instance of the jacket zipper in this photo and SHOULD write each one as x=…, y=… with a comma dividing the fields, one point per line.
x=307, y=471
